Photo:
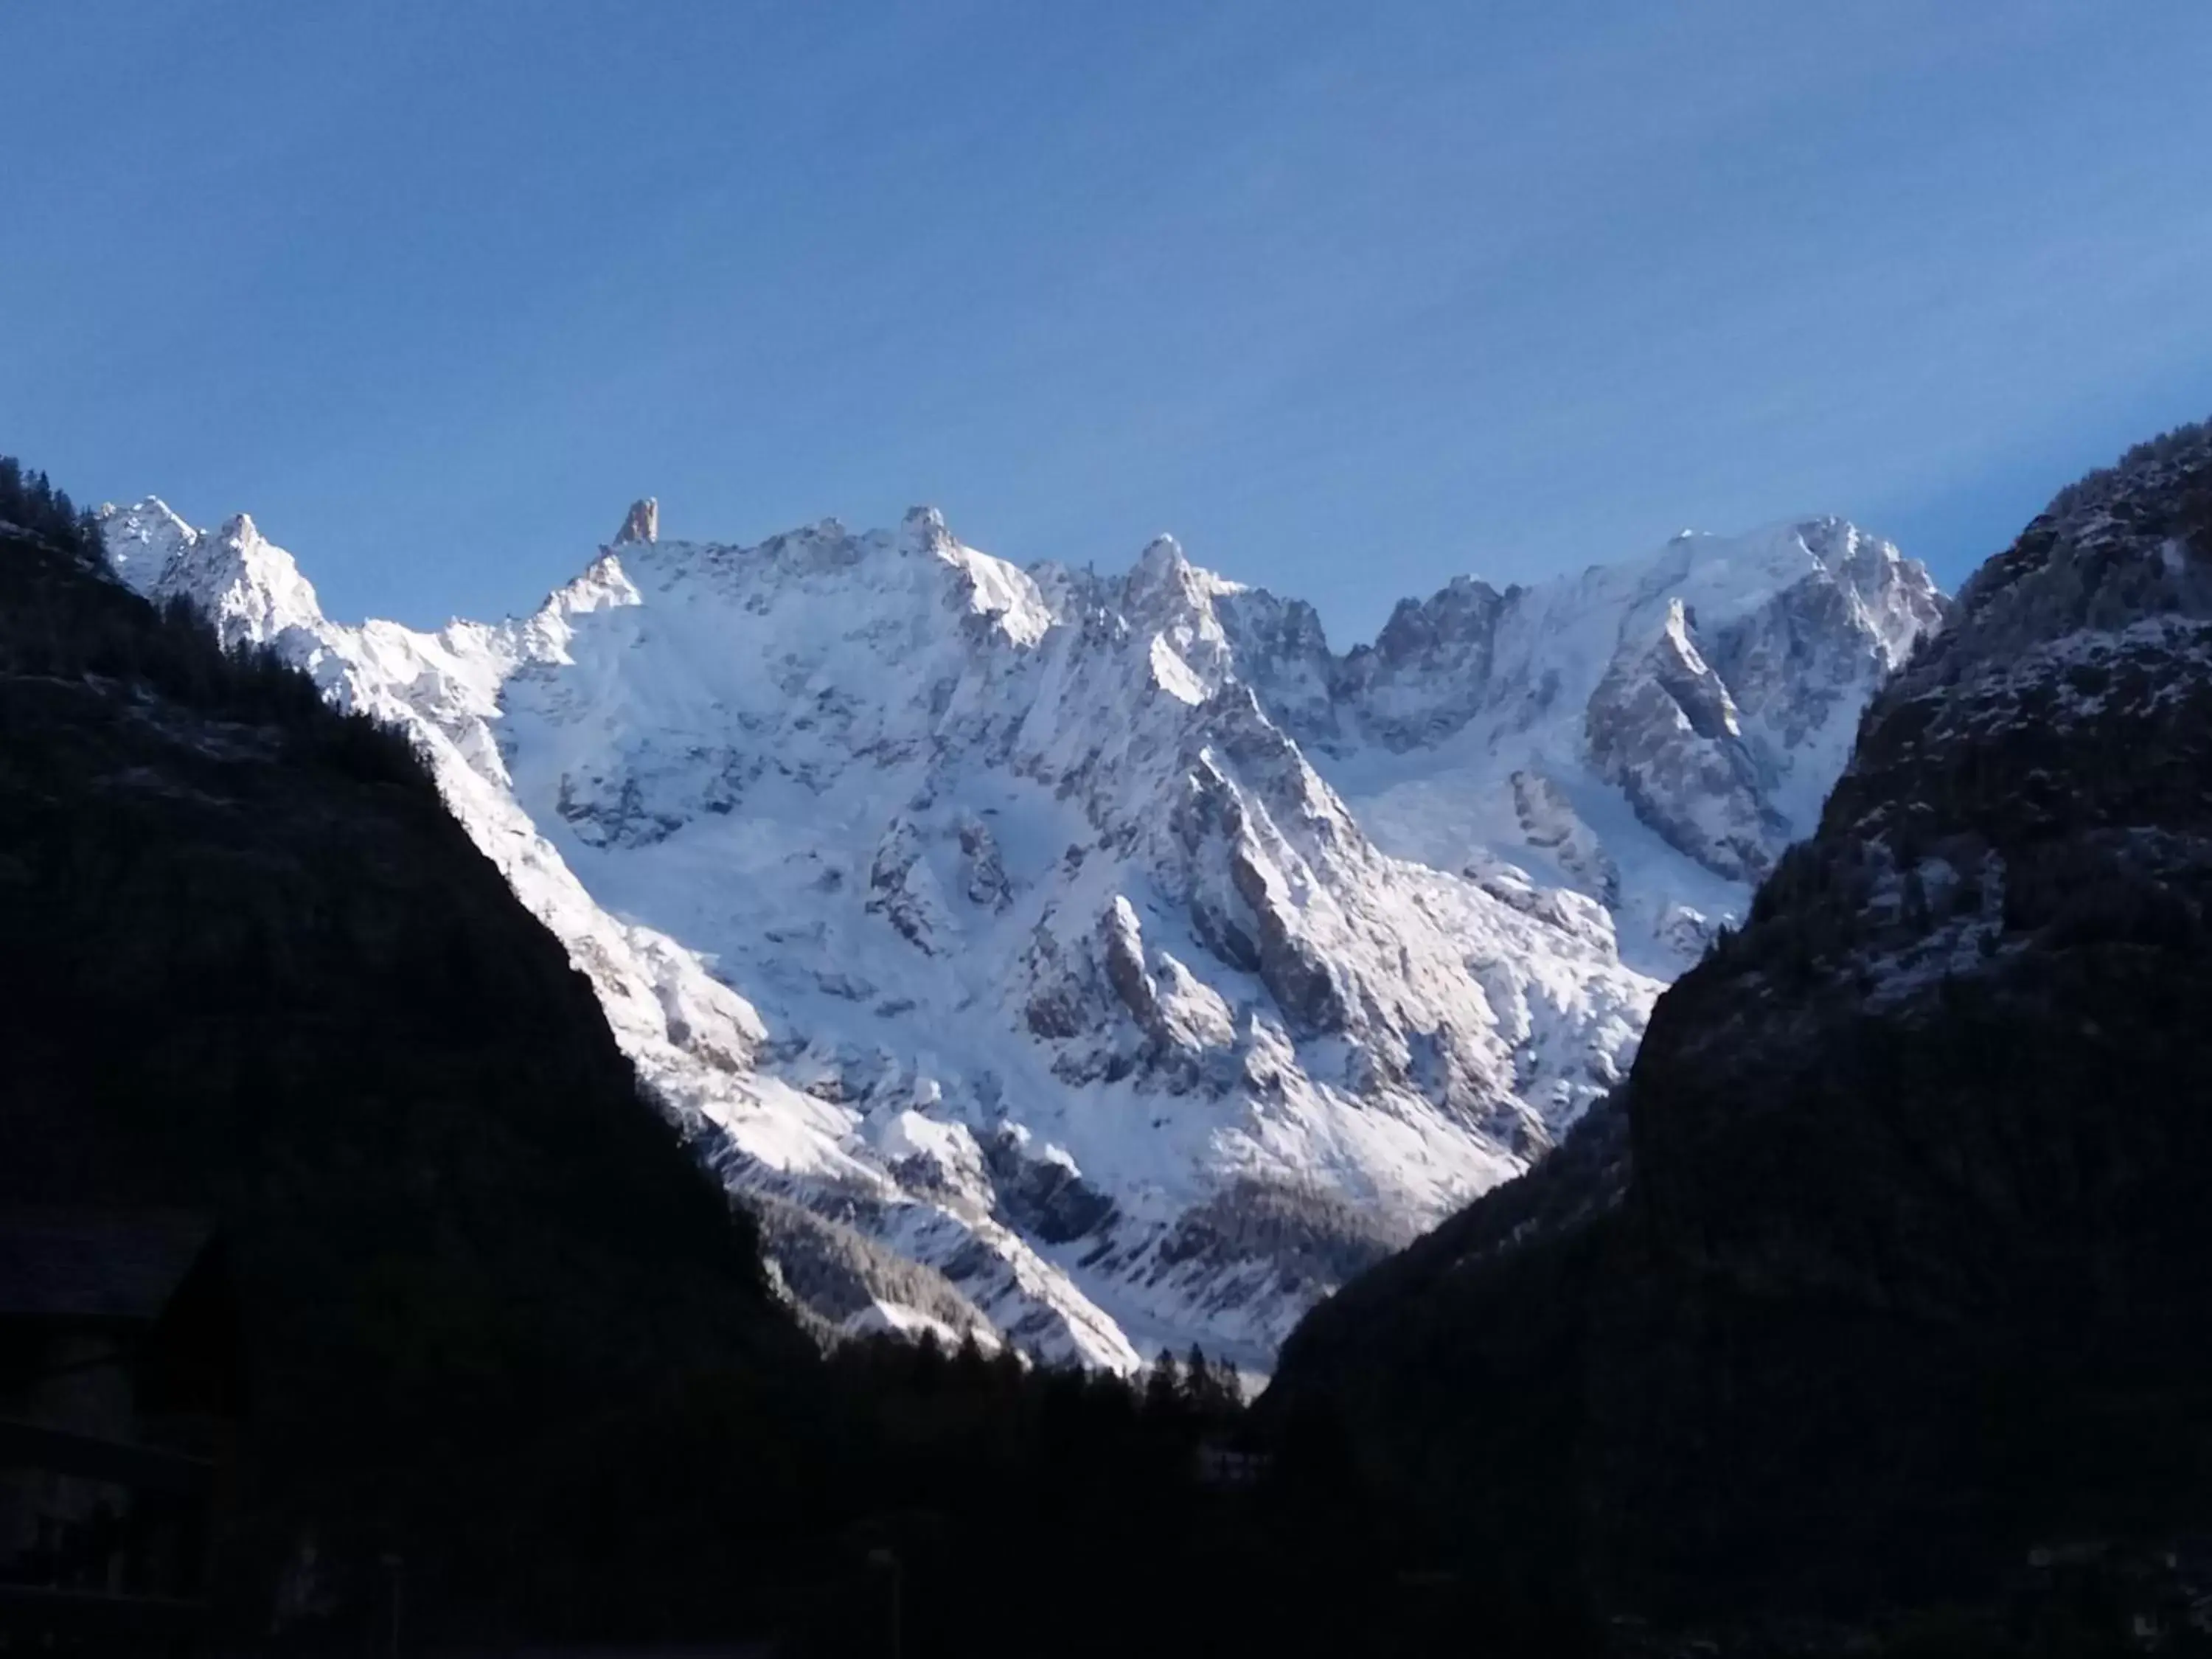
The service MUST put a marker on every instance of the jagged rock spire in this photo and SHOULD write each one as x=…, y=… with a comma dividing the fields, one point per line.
x=924, y=527
x=643, y=524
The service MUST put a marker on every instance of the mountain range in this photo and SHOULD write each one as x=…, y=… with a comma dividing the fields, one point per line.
x=1103, y=963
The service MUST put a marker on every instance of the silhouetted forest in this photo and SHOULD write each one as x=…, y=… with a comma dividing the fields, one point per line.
x=29, y=501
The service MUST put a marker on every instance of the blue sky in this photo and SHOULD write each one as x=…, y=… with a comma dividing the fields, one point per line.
x=1352, y=299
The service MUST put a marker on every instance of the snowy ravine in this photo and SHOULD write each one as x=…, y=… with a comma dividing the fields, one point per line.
x=1105, y=962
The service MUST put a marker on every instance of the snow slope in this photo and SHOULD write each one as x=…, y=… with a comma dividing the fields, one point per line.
x=1103, y=961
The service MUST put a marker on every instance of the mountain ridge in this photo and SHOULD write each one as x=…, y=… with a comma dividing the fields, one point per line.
x=1070, y=969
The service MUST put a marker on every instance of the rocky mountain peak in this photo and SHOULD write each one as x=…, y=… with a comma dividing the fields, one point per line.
x=1162, y=554
x=251, y=589
x=1163, y=577
x=640, y=525
x=143, y=540
x=1463, y=605
x=923, y=529
x=888, y=868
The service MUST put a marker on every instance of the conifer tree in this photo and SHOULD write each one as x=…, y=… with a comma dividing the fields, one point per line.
x=1163, y=1387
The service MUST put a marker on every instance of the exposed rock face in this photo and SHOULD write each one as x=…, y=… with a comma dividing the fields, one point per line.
x=885, y=855
x=1428, y=672
x=1664, y=728
x=1710, y=688
x=1892, y=1259
x=1550, y=823
x=640, y=525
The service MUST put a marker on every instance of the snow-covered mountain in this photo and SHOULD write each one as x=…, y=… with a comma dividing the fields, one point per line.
x=1105, y=962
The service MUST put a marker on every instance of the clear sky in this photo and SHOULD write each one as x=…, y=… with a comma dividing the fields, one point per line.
x=1351, y=298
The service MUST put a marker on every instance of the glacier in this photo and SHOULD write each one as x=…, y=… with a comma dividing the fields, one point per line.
x=1094, y=962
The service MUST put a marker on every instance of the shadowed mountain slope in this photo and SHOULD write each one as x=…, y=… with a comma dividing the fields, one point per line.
x=1890, y=1259
x=252, y=968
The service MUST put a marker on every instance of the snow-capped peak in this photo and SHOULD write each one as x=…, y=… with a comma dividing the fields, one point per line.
x=249, y=588
x=603, y=583
x=1163, y=574
x=143, y=539
x=1111, y=949
x=1162, y=562
x=923, y=530
x=1691, y=704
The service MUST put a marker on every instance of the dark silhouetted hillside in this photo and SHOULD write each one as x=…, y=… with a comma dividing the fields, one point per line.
x=1893, y=1260
x=253, y=967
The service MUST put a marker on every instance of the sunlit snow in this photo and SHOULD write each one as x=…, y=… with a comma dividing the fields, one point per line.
x=1049, y=929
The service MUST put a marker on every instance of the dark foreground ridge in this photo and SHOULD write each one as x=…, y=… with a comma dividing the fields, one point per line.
x=254, y=970
x=1891, y=1265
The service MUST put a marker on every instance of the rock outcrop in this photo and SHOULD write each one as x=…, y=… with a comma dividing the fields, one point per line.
x=640, y=525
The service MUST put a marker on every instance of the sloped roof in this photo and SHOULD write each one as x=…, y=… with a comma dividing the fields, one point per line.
x=120, y=1266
